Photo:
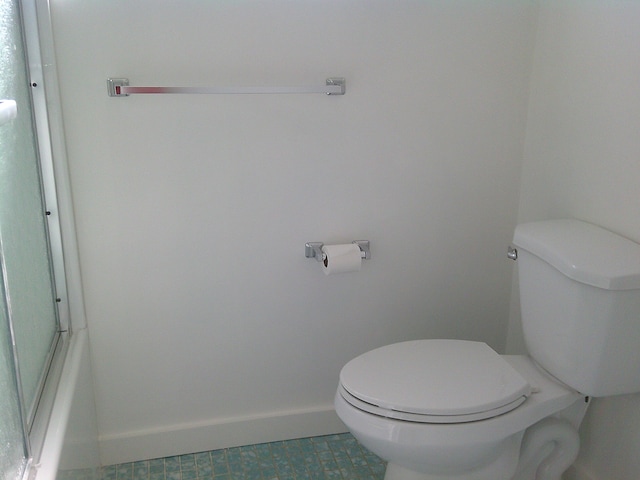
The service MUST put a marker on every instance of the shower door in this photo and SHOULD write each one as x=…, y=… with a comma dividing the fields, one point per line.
x=29, y=315
x=13, y=448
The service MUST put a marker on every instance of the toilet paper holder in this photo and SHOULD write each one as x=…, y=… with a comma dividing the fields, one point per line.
x=314, y=249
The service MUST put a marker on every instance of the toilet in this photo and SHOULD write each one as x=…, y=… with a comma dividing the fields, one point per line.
x=441, y=409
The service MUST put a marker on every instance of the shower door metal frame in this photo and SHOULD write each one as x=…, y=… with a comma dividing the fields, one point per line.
x=36, y=21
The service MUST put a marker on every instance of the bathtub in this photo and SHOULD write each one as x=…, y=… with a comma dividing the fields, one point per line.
x=70, y=448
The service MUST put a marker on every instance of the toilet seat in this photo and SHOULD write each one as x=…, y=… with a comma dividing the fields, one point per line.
x=433, y=381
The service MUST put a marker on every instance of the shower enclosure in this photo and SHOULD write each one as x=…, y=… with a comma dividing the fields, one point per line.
x=35, y=326
x=30, y=331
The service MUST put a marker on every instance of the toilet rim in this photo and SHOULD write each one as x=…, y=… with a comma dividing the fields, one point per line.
x=427, y=418
x=549, y=397
x=433, y=381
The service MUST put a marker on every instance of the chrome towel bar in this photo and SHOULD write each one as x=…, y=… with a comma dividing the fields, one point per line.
x=119, y=87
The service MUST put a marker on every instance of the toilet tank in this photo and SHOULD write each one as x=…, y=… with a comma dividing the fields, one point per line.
x=580, y=304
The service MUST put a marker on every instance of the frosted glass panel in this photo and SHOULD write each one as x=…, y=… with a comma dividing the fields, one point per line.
x=30, y=293
x=12, y=446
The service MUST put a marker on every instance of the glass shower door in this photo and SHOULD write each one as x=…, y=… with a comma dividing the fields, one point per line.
x=13, y=449
x=23, y=225
x=29, y=318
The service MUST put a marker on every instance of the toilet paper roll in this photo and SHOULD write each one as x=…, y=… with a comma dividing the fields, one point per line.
x=341, y=258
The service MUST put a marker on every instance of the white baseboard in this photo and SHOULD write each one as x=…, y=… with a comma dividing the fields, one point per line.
x=212, y=435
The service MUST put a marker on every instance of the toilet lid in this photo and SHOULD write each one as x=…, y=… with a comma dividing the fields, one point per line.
x=435, y=381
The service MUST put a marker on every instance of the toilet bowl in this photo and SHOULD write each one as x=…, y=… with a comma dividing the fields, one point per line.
x=468, y=422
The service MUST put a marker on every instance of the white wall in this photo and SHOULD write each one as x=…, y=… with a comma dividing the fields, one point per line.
x=208, y=326
x=582, y=161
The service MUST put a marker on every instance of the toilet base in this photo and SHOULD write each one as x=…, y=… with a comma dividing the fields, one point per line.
x=501, y=468
x=548, y=448
x=396, y=472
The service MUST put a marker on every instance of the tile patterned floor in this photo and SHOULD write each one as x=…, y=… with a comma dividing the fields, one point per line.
x=317, y=458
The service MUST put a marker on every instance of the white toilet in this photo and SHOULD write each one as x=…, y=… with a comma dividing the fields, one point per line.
x=456, y=410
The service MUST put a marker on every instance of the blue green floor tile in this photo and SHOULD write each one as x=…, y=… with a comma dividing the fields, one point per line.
x=329, y=457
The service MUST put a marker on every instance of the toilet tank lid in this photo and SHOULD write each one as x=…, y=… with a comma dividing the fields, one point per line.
x=583, y=252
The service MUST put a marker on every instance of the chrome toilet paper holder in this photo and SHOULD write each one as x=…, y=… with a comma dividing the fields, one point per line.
x=314, y=249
